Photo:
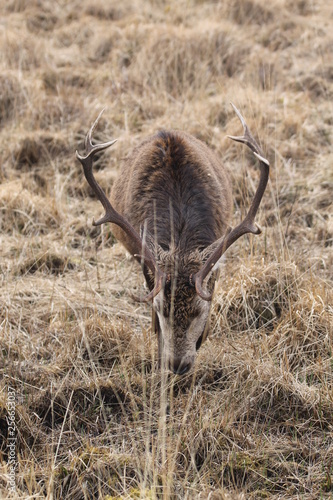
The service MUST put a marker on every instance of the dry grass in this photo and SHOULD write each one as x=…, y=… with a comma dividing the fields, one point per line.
x=94, y=417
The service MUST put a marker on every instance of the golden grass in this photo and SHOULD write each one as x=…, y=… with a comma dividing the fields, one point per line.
x=94, y=416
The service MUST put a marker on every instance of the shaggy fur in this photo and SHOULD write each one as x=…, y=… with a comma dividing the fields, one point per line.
x=174, y=187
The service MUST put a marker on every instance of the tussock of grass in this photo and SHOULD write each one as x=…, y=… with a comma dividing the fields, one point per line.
x=10, y=97
x=257, y=297
x=26, y=213
x=50, y=263
x=106, y=12
x=190, y=60
x=250, y=12
x=39, y=148
x=21, y=52
x=95, y=417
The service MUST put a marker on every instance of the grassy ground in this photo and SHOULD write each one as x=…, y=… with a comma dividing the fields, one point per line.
x=94, y=417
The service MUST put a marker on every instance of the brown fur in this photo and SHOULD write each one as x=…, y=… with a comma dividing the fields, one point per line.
x=174, y=168
x=176, y=187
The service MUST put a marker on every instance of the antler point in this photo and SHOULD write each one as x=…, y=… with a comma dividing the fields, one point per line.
x=261, y=158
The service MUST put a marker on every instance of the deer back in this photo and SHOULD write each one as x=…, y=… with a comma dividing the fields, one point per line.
x=175, y=184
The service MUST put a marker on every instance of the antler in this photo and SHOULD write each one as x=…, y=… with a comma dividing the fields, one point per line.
x=247, y=225
x=142, y=253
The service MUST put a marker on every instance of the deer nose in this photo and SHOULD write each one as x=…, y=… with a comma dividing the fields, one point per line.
x=180, y=367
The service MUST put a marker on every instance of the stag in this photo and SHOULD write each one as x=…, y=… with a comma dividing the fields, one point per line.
x=170, y=208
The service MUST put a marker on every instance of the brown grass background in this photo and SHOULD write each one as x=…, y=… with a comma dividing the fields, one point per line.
x=94, y=416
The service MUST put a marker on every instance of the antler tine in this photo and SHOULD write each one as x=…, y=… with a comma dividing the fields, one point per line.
x=90, y=147
x=87, y=163
x=88, y=140
x=247, y=138
x=247, y=225
x=111, y=215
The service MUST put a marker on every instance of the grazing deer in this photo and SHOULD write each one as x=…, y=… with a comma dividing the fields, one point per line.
x=170, y=208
